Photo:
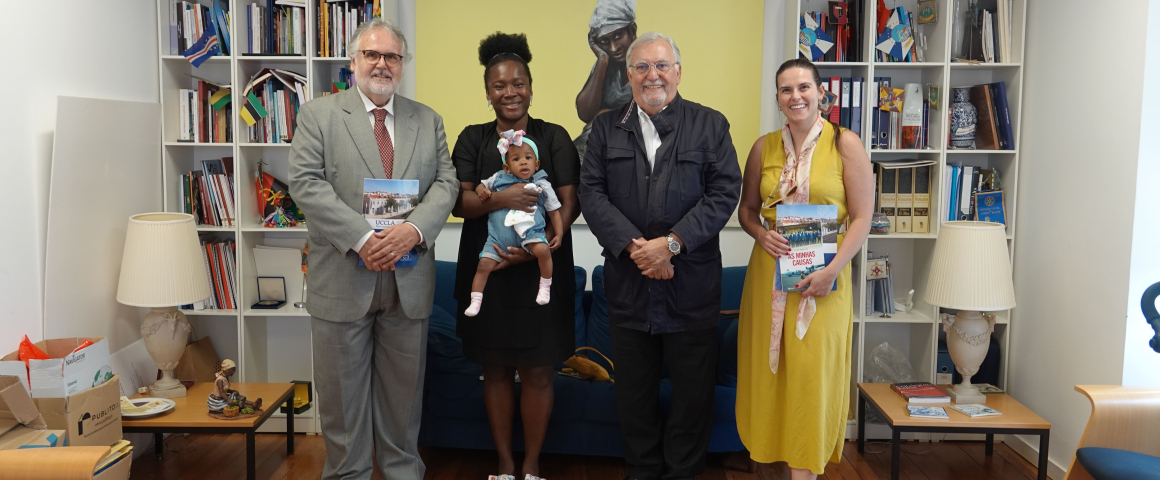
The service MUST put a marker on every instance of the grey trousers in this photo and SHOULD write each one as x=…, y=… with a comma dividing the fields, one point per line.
x=368, y=375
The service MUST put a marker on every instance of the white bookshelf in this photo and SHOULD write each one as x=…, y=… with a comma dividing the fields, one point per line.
x=268, y=345
x=917, y=332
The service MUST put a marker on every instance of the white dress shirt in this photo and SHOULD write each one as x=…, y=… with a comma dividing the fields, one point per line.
x=390, y=124
x=652, y=139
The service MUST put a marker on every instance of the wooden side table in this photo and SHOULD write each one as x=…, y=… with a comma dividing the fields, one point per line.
x=190, y=415
x=1015, y=420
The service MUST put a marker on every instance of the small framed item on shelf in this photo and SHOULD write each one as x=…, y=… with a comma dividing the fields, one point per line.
x=303, y=396
x=271, y=292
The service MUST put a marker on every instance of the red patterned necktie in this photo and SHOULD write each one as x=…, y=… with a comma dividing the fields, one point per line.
x=386, y=149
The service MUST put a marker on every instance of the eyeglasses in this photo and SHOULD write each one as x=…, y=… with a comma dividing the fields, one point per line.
x=662, y=67
x=372, y=57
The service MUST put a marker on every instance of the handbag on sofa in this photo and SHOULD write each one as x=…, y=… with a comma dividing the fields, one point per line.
x=579, y=366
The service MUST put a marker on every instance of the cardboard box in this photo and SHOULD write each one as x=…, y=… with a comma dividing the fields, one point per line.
x=21, y=425
x=66, y=373
x=92, y=417
x=117, y=471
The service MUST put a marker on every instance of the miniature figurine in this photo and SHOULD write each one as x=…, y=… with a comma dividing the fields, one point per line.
x=222, y=396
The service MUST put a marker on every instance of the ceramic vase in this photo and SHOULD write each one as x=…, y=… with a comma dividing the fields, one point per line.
x=964, y=117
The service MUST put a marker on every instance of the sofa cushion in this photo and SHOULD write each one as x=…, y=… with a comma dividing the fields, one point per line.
x=732, y=282
x=1111, y=463
x=444, y=349
x=727, y=351
x=581, y=318
x=445, y=288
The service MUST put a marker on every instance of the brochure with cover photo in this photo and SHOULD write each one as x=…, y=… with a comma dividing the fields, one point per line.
x=812, y=232
x=976, y=410
x=927, y=412
x=387, y=203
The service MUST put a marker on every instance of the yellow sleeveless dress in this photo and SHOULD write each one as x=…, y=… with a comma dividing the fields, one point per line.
x=797, y=415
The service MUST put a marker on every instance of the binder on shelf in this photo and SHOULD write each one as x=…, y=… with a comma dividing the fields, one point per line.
x=905, y=199
x=1002, y=114
x=836, y=88
x=844, y=119
x=965, y=192
x=856, y=105
x=921, y=213
x=887, y=194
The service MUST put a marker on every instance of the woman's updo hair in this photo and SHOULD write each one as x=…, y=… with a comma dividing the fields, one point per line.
x=499, y=47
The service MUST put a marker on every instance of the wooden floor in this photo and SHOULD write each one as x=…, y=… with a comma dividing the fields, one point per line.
x=198, y=457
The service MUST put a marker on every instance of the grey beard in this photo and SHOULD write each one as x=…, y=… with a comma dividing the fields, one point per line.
x=378, y=88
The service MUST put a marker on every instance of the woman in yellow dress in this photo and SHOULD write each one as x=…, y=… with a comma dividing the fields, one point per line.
x=793, y=357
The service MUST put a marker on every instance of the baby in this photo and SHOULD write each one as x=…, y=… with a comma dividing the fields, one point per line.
x=511, y=228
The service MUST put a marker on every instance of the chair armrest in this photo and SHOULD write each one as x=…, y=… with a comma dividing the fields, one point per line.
x=1123, y=417
x=52, y=463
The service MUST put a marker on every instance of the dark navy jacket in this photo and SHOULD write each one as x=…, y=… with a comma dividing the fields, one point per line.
x=692, y=191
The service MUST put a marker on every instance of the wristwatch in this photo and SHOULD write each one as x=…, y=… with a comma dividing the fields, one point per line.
x=674, y=245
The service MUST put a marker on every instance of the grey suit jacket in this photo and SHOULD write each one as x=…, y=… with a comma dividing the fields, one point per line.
x=334, y=149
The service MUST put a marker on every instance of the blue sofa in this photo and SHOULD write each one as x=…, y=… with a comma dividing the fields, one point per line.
x=584, y=420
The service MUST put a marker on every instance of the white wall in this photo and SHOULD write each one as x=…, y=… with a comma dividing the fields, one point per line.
x=1141, y=363
x=1078, y=169
x=104, y=49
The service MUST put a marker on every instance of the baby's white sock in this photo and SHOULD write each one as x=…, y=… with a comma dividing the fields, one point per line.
x=544, y=295
x=476, y=300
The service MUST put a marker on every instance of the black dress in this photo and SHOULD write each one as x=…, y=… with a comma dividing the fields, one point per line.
x=511, y=330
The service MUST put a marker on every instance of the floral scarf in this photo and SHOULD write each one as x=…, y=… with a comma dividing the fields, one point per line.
x=795, y=172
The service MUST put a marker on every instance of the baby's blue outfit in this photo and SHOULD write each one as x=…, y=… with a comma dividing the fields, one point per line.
x=505, y=236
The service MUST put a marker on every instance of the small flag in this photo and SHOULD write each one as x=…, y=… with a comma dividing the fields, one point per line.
x=220, y=99
x=252, y=110
x=205, y=47
x=338, y=87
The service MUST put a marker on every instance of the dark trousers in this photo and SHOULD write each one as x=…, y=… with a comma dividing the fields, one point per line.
x=655, y=447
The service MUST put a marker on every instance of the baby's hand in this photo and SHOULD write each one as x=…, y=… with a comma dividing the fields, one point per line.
x=554, y=243
x=483, y=192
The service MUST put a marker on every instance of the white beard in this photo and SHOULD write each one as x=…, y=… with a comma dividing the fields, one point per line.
x=376, y=86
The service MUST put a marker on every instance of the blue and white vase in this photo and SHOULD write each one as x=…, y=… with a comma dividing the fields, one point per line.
x=964, y=117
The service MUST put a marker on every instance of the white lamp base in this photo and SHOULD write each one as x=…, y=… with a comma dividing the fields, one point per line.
x=167, y=392
x=966, y=397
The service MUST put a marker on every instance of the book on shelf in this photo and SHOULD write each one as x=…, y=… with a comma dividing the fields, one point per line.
x=812, y=231
x=899, y=193
x=221, y=271
x=887, y=194
x=974, y=410
x=208, y=194
x=887, y=130
x=271, y=100
x=336, y=21
x=204, y=113
x=921, y=211
x=276, y=28
x=922, y=411
x=987, y=32
x=986, y=131
x=905, y=199
x=920, y=392
x=974, y=193
x=842, y=23
x=188, y=21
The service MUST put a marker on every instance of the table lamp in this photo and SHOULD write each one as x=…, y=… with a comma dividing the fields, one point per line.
x=971, y=273
x=163, y=267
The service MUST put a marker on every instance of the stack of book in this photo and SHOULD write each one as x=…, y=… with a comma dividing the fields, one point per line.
x=278, y=93
x=208, y=194
x=204, y=113
x=986, y=33
x=886, y=120
x=921, y=393
x=973, y=193
x=847, y=109
x=278, y=28
x=188, y=21
x=219, y=268
x=337, y=20
x=902, y=193
x=842, y=22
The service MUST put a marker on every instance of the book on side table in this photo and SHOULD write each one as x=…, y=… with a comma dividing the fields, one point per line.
x=921, y=392
x=976, y=410
x=923, y=411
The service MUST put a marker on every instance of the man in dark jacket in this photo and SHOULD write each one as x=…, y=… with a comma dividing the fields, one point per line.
x=659, y=180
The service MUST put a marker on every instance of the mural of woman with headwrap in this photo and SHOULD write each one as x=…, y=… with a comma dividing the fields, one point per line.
x=610, y=31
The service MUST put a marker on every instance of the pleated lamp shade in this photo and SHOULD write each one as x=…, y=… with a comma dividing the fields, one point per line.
x=162, y=265
x=971, y=269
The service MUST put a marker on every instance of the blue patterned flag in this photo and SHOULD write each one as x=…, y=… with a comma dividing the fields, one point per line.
x=205, y=47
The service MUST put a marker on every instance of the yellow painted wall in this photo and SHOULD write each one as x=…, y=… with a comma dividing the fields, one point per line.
x=720, y=46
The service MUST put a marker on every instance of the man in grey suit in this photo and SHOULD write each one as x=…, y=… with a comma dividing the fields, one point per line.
x=369, y=323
